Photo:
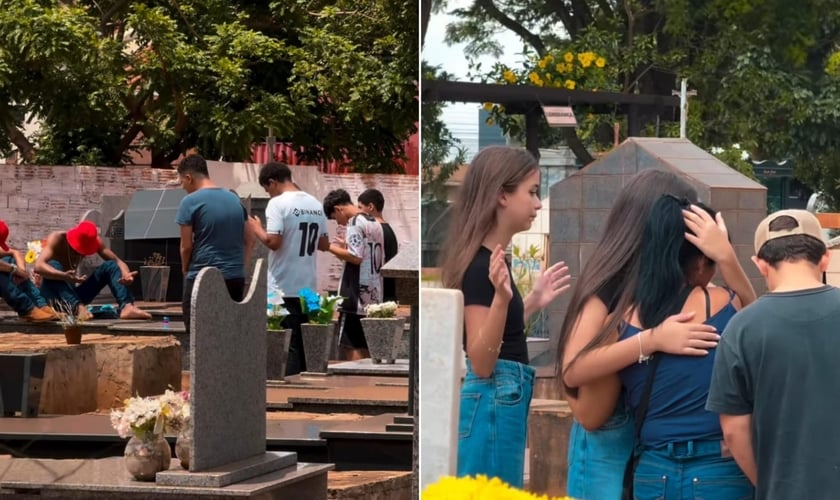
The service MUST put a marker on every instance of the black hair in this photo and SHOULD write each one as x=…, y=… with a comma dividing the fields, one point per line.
x=665, y=255
x=793, y=248
x=277, y=171
x=193, y=164
x=335, y=198
x=373, y=196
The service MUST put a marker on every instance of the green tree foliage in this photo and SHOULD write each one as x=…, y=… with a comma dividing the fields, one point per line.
x=767, y=72
x=337, y=78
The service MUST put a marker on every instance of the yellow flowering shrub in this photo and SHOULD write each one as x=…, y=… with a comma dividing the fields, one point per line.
x=565, y=69
x=478, y=488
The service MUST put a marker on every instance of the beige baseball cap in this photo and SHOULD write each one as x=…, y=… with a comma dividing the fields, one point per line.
x=807, y=224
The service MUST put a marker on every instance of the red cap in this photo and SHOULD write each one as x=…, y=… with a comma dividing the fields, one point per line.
x=83, y=238
x=4, y=235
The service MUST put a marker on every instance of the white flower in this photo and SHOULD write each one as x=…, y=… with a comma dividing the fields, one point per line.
x=383, y=310
x=716, y=150
x=736, y=146
x=744, y=155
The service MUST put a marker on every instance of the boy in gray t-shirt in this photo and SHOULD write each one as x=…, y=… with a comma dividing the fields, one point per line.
x=361, y=281
x=775, y=372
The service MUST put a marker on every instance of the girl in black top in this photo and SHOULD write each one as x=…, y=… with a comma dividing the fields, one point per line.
x=498, y=198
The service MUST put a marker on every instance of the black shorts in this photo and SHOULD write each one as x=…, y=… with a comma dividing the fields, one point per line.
x=350, y=331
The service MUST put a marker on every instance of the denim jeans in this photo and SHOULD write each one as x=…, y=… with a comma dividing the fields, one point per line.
x=597, y=459
x=22, y=297
x=689, y=470
x=493, y=422
x=107, y=274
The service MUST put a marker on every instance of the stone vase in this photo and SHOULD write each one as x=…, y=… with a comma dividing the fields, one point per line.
x=154, y=281
x=317, y=345
x=182, y=448
x=73, y=334
x=146, y=456
x=277, y=353
x=383, y=336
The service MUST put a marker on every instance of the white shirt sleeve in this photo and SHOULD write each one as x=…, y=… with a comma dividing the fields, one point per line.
x=355, y=239
x=274, y=215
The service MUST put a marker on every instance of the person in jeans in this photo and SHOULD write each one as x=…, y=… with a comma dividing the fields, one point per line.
x=214, y=232
x=602, y=437
x=499, y=198
x=295, y=227
x=17, y=287
x=681, y=454
x=57, y=264
x=774, y=381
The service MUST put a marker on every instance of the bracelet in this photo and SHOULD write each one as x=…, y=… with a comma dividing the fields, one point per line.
x=642, y=357
x=14, y=268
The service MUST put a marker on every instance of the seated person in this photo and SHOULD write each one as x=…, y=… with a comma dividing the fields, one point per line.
x=16, y=287
x=60, y=258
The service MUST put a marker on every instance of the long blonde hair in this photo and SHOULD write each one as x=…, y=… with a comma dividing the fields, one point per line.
x=494, y=170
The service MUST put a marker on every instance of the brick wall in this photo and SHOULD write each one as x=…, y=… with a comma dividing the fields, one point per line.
x=35, y=200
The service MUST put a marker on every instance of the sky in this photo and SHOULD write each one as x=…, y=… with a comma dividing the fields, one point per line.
x=462, y=118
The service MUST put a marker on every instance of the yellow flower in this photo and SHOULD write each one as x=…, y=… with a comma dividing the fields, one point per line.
x=600, y=62
x=570, y=84
x=586, y=59
x=534, y=77
x=570, y=67
x=488, y=106
x=548, y=77
x=560, y=67
x=501, y=109
x=568, y=57
x=448, y=488
x=549, y=58
x=509, y=76
x=489, y=121
x=542, y=63
x=30, y=257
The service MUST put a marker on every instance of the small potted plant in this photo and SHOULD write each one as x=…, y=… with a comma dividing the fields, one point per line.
x=143, y=420
x=318, y=334
x=154, y=278
x=71, y=321
x=277, y=337
x=383, y=331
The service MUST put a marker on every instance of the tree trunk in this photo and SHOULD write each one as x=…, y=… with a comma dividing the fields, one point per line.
x=26, y=149
x=425, y=15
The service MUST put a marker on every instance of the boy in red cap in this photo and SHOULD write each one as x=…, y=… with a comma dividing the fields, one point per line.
x=16, y=287
x=61, y=256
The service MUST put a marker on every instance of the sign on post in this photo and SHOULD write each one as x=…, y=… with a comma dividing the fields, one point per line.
x=560, y=116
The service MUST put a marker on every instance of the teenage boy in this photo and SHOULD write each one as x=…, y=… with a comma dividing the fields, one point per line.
x=295, y=228
x=361, y=282
x=372, y=203
x=776, y=370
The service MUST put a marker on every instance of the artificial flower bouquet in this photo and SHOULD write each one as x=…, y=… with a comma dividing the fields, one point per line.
x=33, y=250
x=319, y=308
x=144, y=417
x=275, y=310
x=383, y=310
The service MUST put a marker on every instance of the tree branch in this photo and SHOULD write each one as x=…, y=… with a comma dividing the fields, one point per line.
x=497, y=15
x=562, y=11
x=26, y=149
x=577, y=146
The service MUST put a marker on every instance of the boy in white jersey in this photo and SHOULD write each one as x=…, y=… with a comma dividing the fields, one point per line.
x=361, y=282
x=295, y=228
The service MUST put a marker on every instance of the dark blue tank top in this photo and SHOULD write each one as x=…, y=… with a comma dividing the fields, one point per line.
x=677, y=408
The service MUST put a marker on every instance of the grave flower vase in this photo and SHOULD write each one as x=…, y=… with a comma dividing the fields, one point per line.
x=383, y=336
x=317, y=344
x=277, y=353
x=182, y=448
x=73, y=334
x=154, y=281
x=146, y=456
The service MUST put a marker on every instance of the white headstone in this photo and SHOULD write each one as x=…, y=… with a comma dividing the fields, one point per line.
x=441, y=368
